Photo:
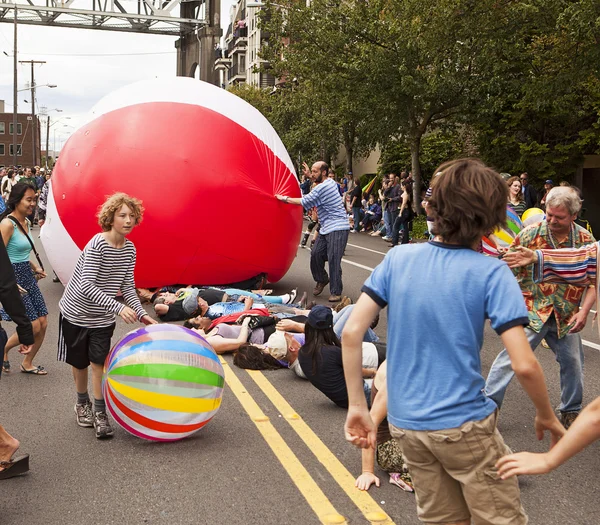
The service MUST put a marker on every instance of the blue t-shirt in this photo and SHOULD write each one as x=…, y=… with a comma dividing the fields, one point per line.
x=439, y=297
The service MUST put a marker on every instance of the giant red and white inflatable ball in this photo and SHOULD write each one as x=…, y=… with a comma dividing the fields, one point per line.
x=207, y=166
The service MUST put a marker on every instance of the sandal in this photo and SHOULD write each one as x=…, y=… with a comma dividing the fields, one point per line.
x=38, y=371
x=14, y=467
x=396, y=479
x=6, y=366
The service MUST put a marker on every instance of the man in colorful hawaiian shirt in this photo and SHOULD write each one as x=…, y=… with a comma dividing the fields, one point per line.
x=556, y=311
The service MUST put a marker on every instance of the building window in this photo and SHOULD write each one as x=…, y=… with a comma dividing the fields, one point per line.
x=2, y=150
x=11, y=150
x=19, y=128
x=242, y=63
x=2, y=128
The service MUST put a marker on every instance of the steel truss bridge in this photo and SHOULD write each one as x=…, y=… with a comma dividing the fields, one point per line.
x=160, y=17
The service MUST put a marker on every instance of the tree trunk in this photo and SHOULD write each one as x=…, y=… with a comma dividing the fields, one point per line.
x=349, y=147
x=415, y=152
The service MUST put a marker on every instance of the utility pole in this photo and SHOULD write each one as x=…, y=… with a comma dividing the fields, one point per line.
x=33, y=125
x=15, y=94
x=47, y=138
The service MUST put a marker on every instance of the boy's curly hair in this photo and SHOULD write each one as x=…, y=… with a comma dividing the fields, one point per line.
x=106, y=213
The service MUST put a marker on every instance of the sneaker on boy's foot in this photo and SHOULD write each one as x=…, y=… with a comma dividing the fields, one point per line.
x=85, y=418
x=102, y=426
x=567, y=418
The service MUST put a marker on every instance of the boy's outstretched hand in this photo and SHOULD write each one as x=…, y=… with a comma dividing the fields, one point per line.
x=359, y=428
x=553, y=425
x=523, y=463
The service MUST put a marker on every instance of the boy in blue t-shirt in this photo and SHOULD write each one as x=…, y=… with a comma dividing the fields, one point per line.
x=445, y=425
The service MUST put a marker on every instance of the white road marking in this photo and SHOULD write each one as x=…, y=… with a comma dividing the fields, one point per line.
x=590, y=344
x=366, y=249
x=359, y=265
x=353, y=263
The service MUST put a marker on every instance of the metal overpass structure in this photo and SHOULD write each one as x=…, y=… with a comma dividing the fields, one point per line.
x=196, y=22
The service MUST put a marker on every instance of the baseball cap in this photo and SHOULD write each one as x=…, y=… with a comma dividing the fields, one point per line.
x=320, y=317
x=277, y=345
x=549, y=181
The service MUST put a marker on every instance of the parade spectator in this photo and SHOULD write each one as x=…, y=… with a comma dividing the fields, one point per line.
x=332, y=176
x=548, y=185
x=11, y=300
x=447, y=429
x=8, y=181
x=391, y=198
x=16, y=235
x=372, y=214
x=189, y=302
x=321, y=358
x=40, y=178
x=305, y=185
x=515, y=196
x=356, y=205
x=556, y=311
x=405, y=215
x=576, y=266
x=29, y=178
x=43, y=202
x=225, y=338
x=388, y=453
x=88, y=307
x=333, y=235
x=529, y=193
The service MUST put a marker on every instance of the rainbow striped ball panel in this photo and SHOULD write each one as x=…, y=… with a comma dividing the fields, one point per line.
x=163, y=382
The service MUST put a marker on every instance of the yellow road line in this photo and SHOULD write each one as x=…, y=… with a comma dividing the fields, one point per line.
x=315, y=497
x=367, y=505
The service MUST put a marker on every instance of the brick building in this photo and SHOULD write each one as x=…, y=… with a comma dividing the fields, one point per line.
x=24, y=136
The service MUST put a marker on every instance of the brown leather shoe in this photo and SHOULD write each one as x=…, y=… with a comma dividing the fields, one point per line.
x=320, y=287
x=335, y=298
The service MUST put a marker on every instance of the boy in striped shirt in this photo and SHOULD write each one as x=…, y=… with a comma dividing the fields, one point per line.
x=88, y=307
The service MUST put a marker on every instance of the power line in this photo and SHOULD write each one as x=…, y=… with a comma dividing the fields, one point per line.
x=99, y=54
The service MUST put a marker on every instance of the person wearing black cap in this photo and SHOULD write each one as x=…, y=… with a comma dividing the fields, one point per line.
x=12, y=303
x=321, y=358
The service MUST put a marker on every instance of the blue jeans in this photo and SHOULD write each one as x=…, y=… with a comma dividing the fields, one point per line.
x=3, y=341
x=356, y=218
x=234, y=294
x=569, y=355
x=389, y=217
x=341, y=318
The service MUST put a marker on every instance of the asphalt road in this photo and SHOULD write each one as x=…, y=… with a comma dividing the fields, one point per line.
x=274, y=454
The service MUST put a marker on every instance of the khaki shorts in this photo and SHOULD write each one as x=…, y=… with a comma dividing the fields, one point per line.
x=454, y=475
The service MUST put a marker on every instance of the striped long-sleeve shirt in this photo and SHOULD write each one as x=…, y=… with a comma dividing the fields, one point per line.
x=330, y=207
x=577, y=266
x=101, y=271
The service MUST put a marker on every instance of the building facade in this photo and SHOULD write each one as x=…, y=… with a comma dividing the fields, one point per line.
x=28, y=142
x=238, y=61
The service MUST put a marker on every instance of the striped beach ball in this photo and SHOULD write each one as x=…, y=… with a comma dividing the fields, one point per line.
x=163, y=382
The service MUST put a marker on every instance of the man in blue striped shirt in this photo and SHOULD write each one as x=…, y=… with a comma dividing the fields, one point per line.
x=335, y=227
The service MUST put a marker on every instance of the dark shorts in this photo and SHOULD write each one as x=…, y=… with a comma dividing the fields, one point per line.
x=79, y=346
x=175, y=313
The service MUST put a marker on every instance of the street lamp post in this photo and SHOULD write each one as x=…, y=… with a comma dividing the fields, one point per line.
x=48, y=126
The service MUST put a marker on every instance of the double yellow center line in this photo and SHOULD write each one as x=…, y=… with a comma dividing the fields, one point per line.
x=315, y=497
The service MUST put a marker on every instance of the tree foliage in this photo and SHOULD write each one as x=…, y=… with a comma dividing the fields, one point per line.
x=515, y=81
